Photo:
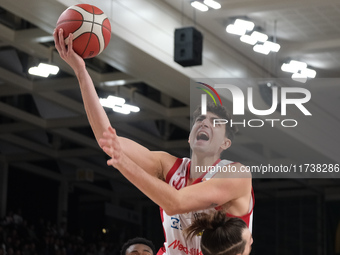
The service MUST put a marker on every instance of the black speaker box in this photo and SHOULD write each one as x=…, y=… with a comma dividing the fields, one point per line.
x=188, y=46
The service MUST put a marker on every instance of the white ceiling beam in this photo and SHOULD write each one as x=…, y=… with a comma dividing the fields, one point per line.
x=249, y=7
x=170, y=114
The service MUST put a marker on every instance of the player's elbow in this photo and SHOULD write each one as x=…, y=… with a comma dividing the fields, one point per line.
x=174, y=207
x=172, y=211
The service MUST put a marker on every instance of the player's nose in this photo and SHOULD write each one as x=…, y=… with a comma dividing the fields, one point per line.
x=205, y=122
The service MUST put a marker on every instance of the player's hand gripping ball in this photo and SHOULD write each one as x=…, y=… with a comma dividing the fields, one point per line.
x=90, y=27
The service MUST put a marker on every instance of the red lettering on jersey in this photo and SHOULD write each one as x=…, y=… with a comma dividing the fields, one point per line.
x=178, y=183
x=181, y=247
x=175, y=243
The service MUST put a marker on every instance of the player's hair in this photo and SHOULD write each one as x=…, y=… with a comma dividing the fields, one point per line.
x=222, y=113
x=221, y=235
x=137, y=240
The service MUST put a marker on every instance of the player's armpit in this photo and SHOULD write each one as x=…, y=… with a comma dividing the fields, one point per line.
x=156, y=163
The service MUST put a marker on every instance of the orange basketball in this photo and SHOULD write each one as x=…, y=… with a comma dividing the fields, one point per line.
x=90, y=27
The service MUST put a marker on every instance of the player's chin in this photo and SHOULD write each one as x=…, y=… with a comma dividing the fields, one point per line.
x=200, y=148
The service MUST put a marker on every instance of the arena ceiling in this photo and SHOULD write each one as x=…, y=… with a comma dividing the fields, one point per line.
x=44, y=129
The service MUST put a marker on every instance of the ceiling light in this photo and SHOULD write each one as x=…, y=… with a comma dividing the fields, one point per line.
x=310, y=73
x=289, y=68
x=117, y=104
x=299, y=70
x=248, y=39
x=298, y=65
x=43, y=70
x=275, y=47
x=52, y=69
x=245, y=24
x=111, y=101
x=299, y=77
x=131, y=108
x=213, y=4
x=120, y=109
x=35, y=71
x=261, y=49
x=113, y=83
x=116, y=100
x=232, y=29
x=293, y=66
x=261, y=37
x=125, y=108
x=199, y=6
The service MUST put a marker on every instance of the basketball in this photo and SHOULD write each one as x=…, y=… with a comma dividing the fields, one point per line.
x=90, y=27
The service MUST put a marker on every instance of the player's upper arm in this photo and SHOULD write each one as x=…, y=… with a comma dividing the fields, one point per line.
x=214, y=192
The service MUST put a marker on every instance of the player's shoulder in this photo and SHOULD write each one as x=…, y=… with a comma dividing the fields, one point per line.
x=232, y=170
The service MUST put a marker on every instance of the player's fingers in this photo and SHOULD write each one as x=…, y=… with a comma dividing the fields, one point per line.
x=106, y=135
x=56, y=39
x=110, y=135
x=108, y=150
x=111, y=162
x=111, y=139
x=108, y=143
x=102, y=142
x=114, y=135
x=108, y=162
x=70, y=42
x=61, y=40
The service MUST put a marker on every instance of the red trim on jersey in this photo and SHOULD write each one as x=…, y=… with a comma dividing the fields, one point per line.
x=173, y=169
x=171, y=172
x=162, y=249
x=187, y=175
x=245, y=217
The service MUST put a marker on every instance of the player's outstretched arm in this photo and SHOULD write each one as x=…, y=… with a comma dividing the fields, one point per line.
x=95, y=112
x=200, y=196
x=153, y=162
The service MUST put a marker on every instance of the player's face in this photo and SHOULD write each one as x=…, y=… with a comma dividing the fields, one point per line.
x=205, y=136
x=247, y=236
x=139, y=249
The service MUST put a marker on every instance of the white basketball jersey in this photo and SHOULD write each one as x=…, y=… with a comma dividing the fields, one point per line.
x=175, y=242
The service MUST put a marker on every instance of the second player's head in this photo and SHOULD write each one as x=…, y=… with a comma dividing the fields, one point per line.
x=221, y=235
x=138, y=246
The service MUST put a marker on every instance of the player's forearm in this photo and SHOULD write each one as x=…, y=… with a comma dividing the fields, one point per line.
x=157, y=190
x=95, y=113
